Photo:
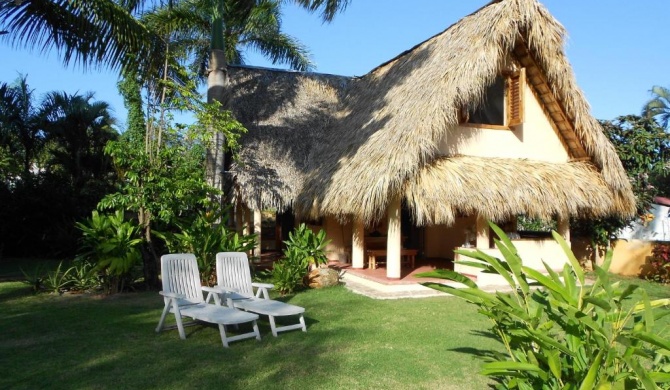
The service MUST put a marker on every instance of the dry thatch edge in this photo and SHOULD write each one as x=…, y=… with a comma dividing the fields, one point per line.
x=500, y=188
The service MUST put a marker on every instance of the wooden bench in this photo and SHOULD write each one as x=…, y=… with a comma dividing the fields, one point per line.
x=406, y=256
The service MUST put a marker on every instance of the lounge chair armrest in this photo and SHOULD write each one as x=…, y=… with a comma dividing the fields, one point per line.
x=218, y=293
x=215, y=289
x=172, y=295
x=263, y=285
x=263, y=289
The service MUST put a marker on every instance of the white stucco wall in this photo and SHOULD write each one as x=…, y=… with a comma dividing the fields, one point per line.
x=535, y=139
x=657, y=229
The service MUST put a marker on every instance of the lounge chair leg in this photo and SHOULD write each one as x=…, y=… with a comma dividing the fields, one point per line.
x=302, y=322
x=224, y=339
x=273, y=326
x=177, y=317
x=258, y=334
x=162, y=320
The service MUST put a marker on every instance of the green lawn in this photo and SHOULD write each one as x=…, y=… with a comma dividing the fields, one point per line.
x=352, y=342
x=81, y=341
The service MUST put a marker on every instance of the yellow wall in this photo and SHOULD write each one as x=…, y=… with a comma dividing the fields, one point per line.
x=340, y=236
x=441, y=240
x=536, y=139
x=630, y=257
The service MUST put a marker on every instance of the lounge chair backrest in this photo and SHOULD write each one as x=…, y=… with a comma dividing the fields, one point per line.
x=232, y=271
x=180, y=275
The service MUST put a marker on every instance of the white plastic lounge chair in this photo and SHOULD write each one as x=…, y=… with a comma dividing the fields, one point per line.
x=183, y=296
x=233, y=275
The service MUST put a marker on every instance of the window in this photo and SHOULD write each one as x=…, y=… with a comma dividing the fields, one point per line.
x=502, y=105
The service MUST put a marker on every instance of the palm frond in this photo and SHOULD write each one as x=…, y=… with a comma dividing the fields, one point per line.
x=659, y=106
x=327, y=8
x=90, y=33
x=282, y=48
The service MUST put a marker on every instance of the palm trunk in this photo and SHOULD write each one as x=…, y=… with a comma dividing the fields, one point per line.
x=217, y=82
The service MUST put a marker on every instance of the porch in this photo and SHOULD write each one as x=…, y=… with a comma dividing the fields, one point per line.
x=374, y=283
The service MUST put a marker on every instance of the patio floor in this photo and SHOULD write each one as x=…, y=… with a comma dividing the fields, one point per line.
x=406, y=274
x=373, y=283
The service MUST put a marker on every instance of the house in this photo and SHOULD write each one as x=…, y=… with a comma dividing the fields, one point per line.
x=483, y=121
x=634, y=245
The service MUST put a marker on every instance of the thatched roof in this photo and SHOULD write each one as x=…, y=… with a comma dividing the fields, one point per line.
x=500, y=188
x=346, y=147
x=286, y=114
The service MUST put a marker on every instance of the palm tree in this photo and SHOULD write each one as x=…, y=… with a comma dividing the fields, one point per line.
x=209, y=43
x=190, y=26
x=659, y=106
x=217, y=78
x=20, y=132
x=78, y=129
x=91, y=32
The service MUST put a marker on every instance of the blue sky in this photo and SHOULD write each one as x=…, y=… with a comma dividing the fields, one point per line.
x=618, y=48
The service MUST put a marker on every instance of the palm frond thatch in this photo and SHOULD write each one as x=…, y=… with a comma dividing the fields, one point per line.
x=286, y=114
x=500, y=188
x=379, y=133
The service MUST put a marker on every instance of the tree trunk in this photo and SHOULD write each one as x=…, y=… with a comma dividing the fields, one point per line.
x=217, y=80
x=149, y=257
x=217, y=83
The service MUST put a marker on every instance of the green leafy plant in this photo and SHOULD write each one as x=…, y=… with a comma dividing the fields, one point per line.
x=288, y=273
x=34, y=279
x=57, y=281
x=559, y=332
x=205, y=235
x=304, y=243
x=111, y=244
x=83, y=277
x=303, y=249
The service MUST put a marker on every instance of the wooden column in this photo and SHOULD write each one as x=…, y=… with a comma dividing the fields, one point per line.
x=257, y=231
x=563, y=225
x=393, y=242
x=358, y=244
x=482, y=228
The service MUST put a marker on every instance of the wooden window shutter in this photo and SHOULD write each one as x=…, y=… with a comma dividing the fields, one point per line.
x=516, y=83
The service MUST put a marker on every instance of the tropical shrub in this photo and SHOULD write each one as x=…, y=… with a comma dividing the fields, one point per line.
x=111, y=244
x=80, y=277
x=34, y=279
x=288, y=273
x=83, y=276
x=307, y=245
x=303, y=249
x=56, y=281
x=205, y=235
x=659, y=267
x=559, y=332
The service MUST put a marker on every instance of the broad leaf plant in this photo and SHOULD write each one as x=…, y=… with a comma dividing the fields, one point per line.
x=561, y=330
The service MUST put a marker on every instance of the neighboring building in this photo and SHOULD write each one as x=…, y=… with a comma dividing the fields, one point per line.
x=635, y=243
x=483, y=121
x=654, y=227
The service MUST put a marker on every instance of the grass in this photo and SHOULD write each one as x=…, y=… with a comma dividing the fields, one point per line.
x=80, y=342
x=108, y=342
